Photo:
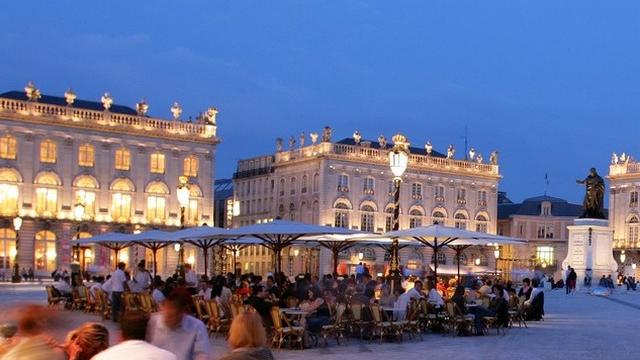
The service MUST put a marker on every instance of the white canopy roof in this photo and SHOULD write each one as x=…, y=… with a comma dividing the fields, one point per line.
x=111, y=237
x=287, y=228
x=438, y=235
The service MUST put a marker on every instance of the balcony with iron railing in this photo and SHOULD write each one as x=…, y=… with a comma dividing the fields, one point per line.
x=381, y=157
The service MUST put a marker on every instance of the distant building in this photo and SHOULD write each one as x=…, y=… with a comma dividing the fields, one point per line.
x=348, y=183
x=223, y=208
x=543, y=222
x=75, y=168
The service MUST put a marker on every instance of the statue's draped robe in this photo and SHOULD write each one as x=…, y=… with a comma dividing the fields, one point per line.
x=594, y=197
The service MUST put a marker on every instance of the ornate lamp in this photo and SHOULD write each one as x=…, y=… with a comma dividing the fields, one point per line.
x=623, y=257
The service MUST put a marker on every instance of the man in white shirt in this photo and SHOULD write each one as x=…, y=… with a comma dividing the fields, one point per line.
x=142, y=279
x=118, y=284
x=400, y=307
x=133, y=331
x=175, y=331
x=190, y=277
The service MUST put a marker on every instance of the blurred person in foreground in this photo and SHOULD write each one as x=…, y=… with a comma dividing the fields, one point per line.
x=35, y=343
x=86, y=341
x=175, y=331
x=248, y=339
x=133, y=329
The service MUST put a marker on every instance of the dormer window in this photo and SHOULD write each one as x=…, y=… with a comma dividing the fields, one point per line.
x=546, y=208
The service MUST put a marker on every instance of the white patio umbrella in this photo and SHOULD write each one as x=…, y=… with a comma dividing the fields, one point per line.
x=113, y=240
x=438, y=236
x=205, y=237
x=154, y=240
x=279, y=234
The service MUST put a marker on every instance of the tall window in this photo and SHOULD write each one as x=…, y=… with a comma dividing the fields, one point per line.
x=481, y=223
x=316, y=183
x=438, y=217
x=544, y=254
x=367, y=186
x=482, y=198
x=48, y=151
x=156, y=202
x=121, y=200
x=388, y=219
x=86, y=155
x=157, y=163
x=281, y=188
x=632, y=230
x=633, y=199
x=341, y=218
x=463, y=259
x=47, y=194
x=8, y=147
x=462, y=196
x=7, y=248
x=416, y=191
x=415, y=218
x=292, y=212
x=123, y=159
x=293, y=186
x=191, y=166
x=9, y=192
x=546, y=208
x=192, y=212
x=303, y=185
x=45, y=251
x=367, y=221
x=86, y=195
x=438, y=193
x=343, y=183
x=460, y=221
x=442, y=258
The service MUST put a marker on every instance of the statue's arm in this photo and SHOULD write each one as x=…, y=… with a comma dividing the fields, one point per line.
x=580, y=181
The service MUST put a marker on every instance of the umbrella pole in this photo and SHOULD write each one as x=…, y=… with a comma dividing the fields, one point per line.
x=155, y=264
x=205, y=251
x=335, y=254
x=117, y=250
x=235, y=253
x=458, y=251
x=435, y=262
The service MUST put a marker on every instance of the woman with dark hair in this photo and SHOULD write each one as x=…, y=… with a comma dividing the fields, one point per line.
x=318, y=309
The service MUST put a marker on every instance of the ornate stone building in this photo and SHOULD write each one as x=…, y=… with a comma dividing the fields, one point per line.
x=75, y=168
x=543, y=222
x=348, y=183
x=624, y=211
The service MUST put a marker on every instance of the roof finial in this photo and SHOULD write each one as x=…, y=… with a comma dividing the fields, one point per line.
x=107, y=100
x=70, y=96
x=33, y=93
x=142, y=107
x=176, y=110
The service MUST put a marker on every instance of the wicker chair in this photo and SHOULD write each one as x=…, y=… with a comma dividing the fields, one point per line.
x=338, y=325
x=381, y=327
x=356, y=320
x=52, y=299
x=457, y=322
x=130, y=301
x=283, y=330
x=517, y=314
x=412, y=324
x=215, y=323
x=78, y=299
x=146, y=303
x=103, y=304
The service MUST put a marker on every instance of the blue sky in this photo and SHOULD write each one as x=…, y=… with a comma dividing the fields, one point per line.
x=553, y=85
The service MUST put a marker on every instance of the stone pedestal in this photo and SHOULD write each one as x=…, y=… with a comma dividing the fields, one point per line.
x=590, y=250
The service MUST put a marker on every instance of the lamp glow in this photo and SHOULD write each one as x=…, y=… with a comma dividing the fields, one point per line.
x=183, y=192
x=398, y=161
x=496, y=253
x=633, y=266
x=17, y=223
x=296, y=252
x=360, y=256
x=477, y=261
x=123, y=257
x=623, y=256
x=78, y=212
x=176, y=247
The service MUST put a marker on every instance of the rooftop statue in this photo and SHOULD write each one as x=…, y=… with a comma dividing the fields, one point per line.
x=594, y=196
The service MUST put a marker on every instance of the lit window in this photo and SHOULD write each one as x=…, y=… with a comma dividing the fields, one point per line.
x=7, y=248
x=48, y=150
x=388, y=221
x=415, y=218
x=416, y=191
x=86, y=155
x=86, y=195
x=9, y=192
x=481, y=223
x=341, y=218
x=438, y=217
x=191, y=166
x=156, y=202
x=192, y=212
x=460, y=221
x=157, y=163
x=8, y=147
x=45, y=252
x=121, y=200
x=368, y=186
x=47, y=194
x=632, y=230
x=462, y=196
x=544, y=254
x=367, y=222
x=123, y=159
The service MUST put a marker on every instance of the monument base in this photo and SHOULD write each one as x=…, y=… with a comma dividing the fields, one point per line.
x=590, y=250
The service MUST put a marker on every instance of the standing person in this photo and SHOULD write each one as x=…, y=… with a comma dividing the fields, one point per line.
x=133, y=328
x=86, y=341
x=247, y=339
x=141, y=281
x=567, y=285
x=572, y=279
x=175, y=331
x=118, y=285
x=359, y=272
x=191, y=278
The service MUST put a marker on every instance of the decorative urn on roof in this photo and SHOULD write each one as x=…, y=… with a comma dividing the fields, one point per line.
x=176, y=110
x=314, y=138
x=32, y=92
x=107, y=100
x=142, y=107
x=211, y=114
x=357, y=137
x=428, y=147
x=70, y=96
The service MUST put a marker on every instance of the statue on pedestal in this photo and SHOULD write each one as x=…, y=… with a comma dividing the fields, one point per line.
x=594, y=196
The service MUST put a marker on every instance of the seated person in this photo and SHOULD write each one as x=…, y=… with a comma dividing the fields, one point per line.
x=318, y=309
x=260, y=301
x=434, y=297
x=500, y=307
x=476, y=313
x=387, y=299
x=534, y=292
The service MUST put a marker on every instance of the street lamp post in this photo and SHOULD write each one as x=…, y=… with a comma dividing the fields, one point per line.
x=496, y=254
x=183, y=198
x=398, y=162
x=78, y=214
x=17, y=224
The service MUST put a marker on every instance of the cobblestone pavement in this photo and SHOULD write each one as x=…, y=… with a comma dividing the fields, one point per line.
x=576, y=326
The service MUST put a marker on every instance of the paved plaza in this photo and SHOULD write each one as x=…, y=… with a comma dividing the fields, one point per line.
x=576, y=327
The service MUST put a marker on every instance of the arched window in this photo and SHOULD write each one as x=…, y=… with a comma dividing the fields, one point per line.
x=156, y=202
x=341, y=218
x=281, y=211
x=303, y=185
x=156, y=163
x=48, y=151
x=47, y=193
x=121, y=200
x=86, y=194
x=86, y=155
x=9, y=192
x=460, y=221
x=388, y=218
x=8, y=147
x=438, y=217
x=632, y=230
x=123, y=159
x=292, y=212
x=415, y=218
x=191, y=166
x=281, y=188
x=442, y=258
x=7, y=248
x=293, y=186
x=316, y=183
x=45, y=252
x=367, y=218
x=481, y=223
x=192, y=212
